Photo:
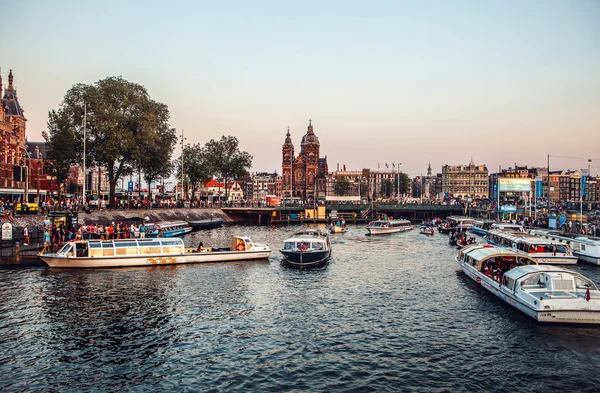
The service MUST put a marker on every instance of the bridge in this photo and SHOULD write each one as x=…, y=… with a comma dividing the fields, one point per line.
x=350, y=212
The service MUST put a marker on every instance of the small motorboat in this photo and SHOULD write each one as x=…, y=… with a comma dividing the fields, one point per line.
x=425, y=230
x=307, y=248
x=338, y=229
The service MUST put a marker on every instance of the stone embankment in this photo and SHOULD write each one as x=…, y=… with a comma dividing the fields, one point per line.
x=105, y=217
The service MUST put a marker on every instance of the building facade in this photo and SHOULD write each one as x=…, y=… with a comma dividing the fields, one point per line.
x=13, y=141
x=465, y=181
x=304, y=175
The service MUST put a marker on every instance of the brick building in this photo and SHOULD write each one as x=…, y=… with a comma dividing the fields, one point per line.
x=13, y=139
x=304, y=175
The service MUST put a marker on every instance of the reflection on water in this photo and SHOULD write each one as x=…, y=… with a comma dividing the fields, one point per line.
x=388, y=313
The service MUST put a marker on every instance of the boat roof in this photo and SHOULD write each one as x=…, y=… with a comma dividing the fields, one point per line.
x=133, y=242
x=521, y=271
x=398, y=220
x=305, y=239
x=311, y=232
x=479, y=252
x=460, y=218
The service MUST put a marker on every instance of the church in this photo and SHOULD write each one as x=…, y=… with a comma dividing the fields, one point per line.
x=305, y=174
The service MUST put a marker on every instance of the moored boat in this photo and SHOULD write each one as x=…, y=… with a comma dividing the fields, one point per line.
x=587, y=249
x=544, y=293
x=425, y=230
x=167, y=229
x=380, y=227
x=307, y=248
x=210, y=223
x=148, y=252
x=544, y=251
x=481, y=227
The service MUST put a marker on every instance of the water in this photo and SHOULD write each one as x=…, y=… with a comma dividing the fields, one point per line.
x=390, y=313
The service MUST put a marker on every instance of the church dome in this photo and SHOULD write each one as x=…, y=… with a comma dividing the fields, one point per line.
x=288, y=139
x=310, y=138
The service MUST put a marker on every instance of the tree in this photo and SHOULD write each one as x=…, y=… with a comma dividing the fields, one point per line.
x=341, y=186
x=155, y=144
x=387, y=188
x=226, y=160
x=61, y=148
x=404, y=183
x=198, y=168
x=119, y=115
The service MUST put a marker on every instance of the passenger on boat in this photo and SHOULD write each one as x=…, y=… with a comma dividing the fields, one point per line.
x=200, y=247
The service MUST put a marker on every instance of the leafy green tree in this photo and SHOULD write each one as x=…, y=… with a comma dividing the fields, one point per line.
x=341, y=186
x=226, y=159
x=404, y=183
x=119, y=115
x=155, y=144
x=387, y=188
x=61, y=148
x=196, y=166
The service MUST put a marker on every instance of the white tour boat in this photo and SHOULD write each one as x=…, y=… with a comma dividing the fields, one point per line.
x=507, y=226
x=481, y=227
x=586, y=249
x=544, y=251
x=455, y=224
x=148, y=252
x=380, y=227
x=545, y=293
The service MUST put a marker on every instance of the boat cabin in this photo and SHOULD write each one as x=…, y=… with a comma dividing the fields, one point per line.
x=121, y=247
x=492, y=261
x=545, y=279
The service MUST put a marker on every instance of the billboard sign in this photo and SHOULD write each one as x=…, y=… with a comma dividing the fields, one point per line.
x=583, y=181
x=508, y=208
x=539, y=187
x=514, y=185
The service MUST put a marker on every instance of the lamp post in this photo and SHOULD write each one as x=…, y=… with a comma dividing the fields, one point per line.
x=398, y=185
x=84, y=142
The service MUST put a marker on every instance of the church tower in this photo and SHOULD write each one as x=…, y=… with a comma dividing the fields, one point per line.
x=310, y=156
x=287, y=152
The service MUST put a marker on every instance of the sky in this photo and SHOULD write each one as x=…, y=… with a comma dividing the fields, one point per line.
x=410, y=82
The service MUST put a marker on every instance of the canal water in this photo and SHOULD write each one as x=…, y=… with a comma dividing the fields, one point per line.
x=390, y=313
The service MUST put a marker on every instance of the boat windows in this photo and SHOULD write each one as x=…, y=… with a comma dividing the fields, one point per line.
x=67, y=250
x=82, y=250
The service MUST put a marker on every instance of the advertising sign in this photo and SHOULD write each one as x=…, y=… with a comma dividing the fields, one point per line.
x=495, y=192
x=583, y=181
x=130, y=186
x=539, y=187
x=514, y=185
x=7, y=231
x=508, y=208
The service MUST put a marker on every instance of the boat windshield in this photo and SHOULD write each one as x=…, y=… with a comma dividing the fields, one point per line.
x=67, y=249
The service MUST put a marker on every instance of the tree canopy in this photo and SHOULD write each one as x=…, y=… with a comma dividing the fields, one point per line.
x=341, y=186
x=61, y=148
x=125, y=128
x=226, y=159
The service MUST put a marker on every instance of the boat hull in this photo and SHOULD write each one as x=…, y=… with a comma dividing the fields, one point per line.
x=337, y=229
x=590, y=316
x=154, y=260
x=206, y=224
x=384, y=231
x=587, y=258
x=479, y=231
x=305, y=260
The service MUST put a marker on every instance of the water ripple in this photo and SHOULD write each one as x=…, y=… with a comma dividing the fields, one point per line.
x=390, y=313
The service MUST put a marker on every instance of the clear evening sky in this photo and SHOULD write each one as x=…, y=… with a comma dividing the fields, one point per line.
x=383, y=81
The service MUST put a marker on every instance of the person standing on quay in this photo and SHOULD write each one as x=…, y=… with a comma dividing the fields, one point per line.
x=26, y=235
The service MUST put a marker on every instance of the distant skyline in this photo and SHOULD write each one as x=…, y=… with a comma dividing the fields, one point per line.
x=414, y=82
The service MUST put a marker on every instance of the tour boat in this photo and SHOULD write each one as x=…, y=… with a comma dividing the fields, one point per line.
x=455, y=224
x=544, y=251
x=585, y=248
x=481, y=227
x=544, y=293
x=426, y=230
x=507, y=226
x=148, y=252
x=206, y=224
x=380, y=227
x=167, y=229
x=307, y=248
